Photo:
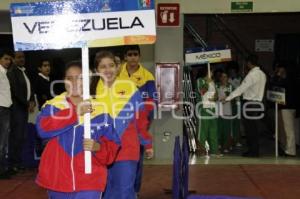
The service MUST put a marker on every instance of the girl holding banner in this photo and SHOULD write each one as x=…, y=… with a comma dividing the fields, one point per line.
x=125, y=105
x=61, y=169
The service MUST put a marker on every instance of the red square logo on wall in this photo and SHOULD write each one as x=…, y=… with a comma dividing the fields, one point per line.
x=168, y=14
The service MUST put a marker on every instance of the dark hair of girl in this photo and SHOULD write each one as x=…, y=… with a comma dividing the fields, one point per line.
x=95, y=79
x=72, y=64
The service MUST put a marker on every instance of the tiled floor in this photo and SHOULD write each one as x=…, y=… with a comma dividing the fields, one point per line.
x=266, y=178
x=260, y=181
x=231, y=160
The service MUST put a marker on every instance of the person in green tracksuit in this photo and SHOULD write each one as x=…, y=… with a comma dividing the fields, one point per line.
x=224, y=88
x=206, y=113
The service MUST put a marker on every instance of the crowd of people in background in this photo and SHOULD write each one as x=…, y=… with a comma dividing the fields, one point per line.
x=224, y=93
x=17, y=99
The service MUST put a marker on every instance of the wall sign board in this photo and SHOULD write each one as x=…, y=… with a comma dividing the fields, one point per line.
x=167, y=82
x=168, y=14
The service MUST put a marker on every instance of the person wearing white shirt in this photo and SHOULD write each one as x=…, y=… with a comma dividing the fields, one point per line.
x=252, y=89
x=5, y=103
x=23, y=102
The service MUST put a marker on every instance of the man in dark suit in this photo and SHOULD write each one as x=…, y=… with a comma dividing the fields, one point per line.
x=23, y=101
x=43, y=83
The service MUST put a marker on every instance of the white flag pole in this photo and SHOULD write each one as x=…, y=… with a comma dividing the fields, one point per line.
x=208, y=70
x=87, y=116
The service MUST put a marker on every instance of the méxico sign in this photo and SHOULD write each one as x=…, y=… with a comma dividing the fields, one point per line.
x=74, y=24
x=208, y=56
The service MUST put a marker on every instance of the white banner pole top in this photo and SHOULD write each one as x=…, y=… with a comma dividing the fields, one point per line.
x=208, y=70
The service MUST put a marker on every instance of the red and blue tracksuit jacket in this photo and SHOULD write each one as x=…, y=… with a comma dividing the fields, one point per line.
x=62, y=162
x=145, y=82
x=125, y=105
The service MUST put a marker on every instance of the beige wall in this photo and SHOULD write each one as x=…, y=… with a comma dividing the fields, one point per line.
x=168, y=48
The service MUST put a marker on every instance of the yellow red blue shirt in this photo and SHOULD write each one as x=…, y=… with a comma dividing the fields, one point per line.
x=145, y=82
x=126, y=107
x=62, y=162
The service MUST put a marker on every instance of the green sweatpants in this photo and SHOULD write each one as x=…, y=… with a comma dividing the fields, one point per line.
x=207, y=130
x=224, y=132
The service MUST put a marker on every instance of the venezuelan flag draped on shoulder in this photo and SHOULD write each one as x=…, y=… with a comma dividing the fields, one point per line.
x=64, y=155
x=145, y=82
x=78, y=23
x=127, y=109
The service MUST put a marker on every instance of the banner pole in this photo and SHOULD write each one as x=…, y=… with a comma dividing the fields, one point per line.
x=208, y=70
x=87, y=116
x=276, y=129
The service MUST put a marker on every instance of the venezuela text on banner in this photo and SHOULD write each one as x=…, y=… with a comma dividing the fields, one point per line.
x=74, y=24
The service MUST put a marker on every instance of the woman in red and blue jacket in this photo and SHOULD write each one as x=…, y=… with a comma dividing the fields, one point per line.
x=61, y=169
x=125, y=105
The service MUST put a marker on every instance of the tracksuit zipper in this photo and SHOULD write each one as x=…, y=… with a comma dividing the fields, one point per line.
x=72, y=159
x=112, y=112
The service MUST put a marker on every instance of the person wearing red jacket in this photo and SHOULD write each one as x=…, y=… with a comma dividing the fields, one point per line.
x=61, y=170
x=125, y=105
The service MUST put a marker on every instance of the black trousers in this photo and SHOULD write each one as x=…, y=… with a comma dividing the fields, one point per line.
x=4, y=134
x=251, y=118
x=19, y=120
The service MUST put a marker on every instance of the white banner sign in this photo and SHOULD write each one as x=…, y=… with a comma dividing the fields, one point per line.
x=68, y=24
x=208, y=56
x=264, y=45
x=276, y=96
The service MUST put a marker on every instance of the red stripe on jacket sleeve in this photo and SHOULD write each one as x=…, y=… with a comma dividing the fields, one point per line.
x=142, y=125
x=59, y=120
x=149, y=104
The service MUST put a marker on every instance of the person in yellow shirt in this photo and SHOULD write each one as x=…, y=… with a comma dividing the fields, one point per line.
x=133, y=70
